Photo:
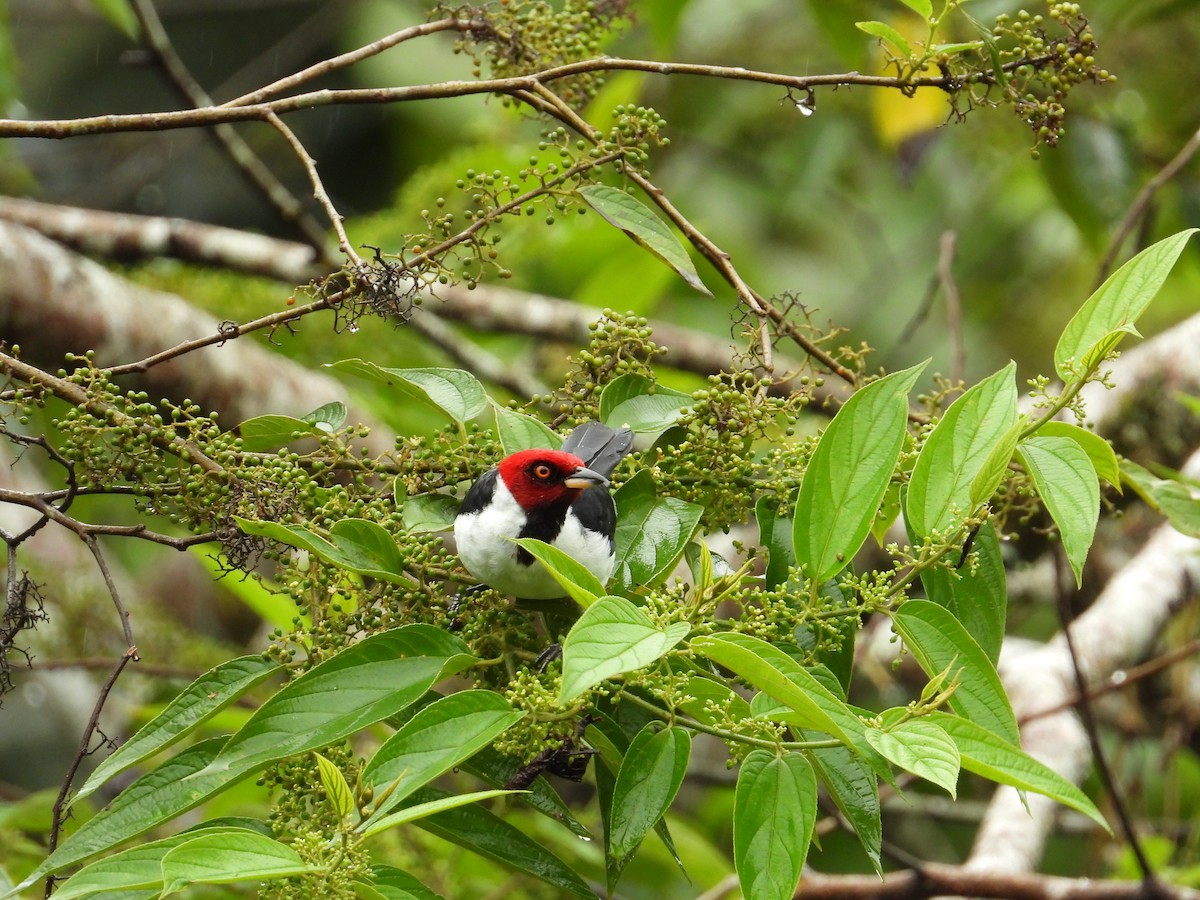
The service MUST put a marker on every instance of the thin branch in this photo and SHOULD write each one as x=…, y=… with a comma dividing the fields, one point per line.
x=97, y=662
x=93, y=722
x=310, y=166
x=348, y=59
x=935, y=880
x=516, y=379
x=1087, y=716
x=946, y=249
x=1141, y=203
x=1120, y=679
x=212, y=115
x=93, y=545
x=248, y=162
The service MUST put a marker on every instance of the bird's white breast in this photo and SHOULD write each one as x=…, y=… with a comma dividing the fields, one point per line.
x=486, y=548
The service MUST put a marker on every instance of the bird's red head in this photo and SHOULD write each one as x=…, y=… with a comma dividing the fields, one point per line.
x=538, y=478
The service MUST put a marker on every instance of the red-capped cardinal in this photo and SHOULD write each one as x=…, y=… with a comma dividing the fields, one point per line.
x=557, y=496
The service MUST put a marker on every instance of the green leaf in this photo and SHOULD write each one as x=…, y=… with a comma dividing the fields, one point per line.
x=179, y=784
x=454, y=392
x=634, y=401
x=848, y=474
x=1099, y=451
x=612, y=637
x=923, y=8
x=706, y=700
x=328, y=418
x=921, y=747
x=264, y=433
x=774, y=533
x=994, y=469
x=1173, y=499
x=1112, y=310
x=759, y=664
x=200, y=700
x=341, y=797
x=1066, y=480
x=637, y=220
x=953, y=48
x=498, y=769
x=227, y=857
x=521, y=432
x=976, y=596
x=887, y=33
x=354, y=544
x=775, y=809
x=957, y=451
x=133, y=869
x=576, y=579
x=272, y=606
x=361, y=685
x=985, y=754
x=649, y=778
x=395, y=884
x=854, y=787
x=651, y=532
x=431, y=807
x=939, y=642
x=425, y=513
x=436, y=739
x=481, y=832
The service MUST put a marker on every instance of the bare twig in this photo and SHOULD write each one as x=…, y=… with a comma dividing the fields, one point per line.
x=93, y=722
x=1141, y=203
x=1099, y=758
x=322, y=196
x=946, y=249
x=212, y=115
x=936, y=880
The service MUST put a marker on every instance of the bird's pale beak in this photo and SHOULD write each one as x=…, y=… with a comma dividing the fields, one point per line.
x=583, y=478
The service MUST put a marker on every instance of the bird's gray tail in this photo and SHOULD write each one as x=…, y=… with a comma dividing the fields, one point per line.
x=599, y=446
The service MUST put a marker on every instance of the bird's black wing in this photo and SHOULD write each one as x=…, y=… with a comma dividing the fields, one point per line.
x=480, y=493
x=599, y=446
x=596, y=512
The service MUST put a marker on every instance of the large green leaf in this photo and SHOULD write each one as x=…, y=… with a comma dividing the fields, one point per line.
x=425, y=513
x=775, y=809
x=634, y=401
x=956, y=451
x=454, y=392
x=133, y=869
x=353, y=544
x=921, y=747
x=264, y=433
x=227, y=857
x=854, y=787
x=983, y=753
x=521, y=432
x=651, y=532
x=1066, y=480
x=649, y=778
x=612, y=637
x=481, y=832
x=940, y=643
x=620, y=209
x=759, y=664
x=200, y=700
x=774, y=533
x=439, y=737
x=1099, y=451
x=1174, y=499
x=576, y=579
x=361, y=685
x=977, y=596
x=848, y=474
x=396, y=884
x=429, y=808
x=1110, y=313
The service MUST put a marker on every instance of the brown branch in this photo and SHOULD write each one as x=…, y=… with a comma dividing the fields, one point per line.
x=212, y=115
x=93, y=722
x=945, y=273
x=935, y=880
x=98, y=662
x=239, y=151
x=1141, y=203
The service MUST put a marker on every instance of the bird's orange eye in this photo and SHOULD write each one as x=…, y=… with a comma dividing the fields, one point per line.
x=542, y=471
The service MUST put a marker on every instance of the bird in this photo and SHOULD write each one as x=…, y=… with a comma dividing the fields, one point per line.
x=557, y=496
